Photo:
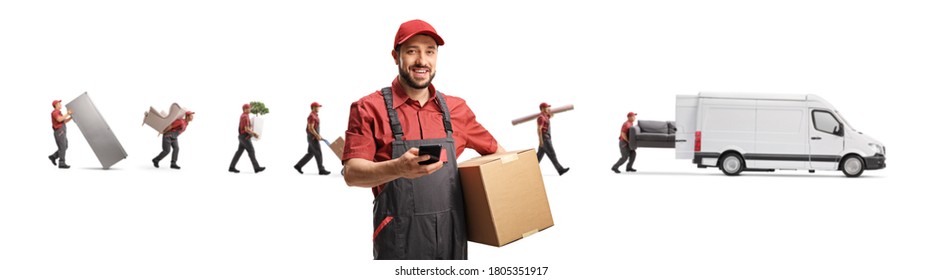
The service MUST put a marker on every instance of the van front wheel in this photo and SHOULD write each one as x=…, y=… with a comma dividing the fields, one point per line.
x=852, y=166
x=732, y=164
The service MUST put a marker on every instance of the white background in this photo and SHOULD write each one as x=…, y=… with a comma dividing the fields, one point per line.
x=877, y=62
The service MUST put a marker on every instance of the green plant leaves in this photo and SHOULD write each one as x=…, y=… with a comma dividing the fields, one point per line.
x=258, y=108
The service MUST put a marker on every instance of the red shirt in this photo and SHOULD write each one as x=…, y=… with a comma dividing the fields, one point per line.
x=56, y=124
x=243, y=122
x=624, y=129
x=178, y=125
x=543, y=121
x=313, y=119
x=369, y=135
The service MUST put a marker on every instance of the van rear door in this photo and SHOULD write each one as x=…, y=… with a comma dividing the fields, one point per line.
x=686, y=120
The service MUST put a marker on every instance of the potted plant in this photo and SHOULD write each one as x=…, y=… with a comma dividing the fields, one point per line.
x=258, y=109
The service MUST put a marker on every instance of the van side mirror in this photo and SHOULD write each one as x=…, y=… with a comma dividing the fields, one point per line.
x=839, y=130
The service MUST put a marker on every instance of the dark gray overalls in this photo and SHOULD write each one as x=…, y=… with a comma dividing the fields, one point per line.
x=62, y=144
x=169, y=141
x=548, y=149
x=421, y=218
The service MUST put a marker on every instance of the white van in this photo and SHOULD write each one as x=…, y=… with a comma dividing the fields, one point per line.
x=762, y=132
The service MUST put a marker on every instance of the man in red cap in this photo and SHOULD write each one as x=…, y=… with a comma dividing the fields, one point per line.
x=58, y=131
x=418, y=211
x=546, y=141
x=313, y=142
x=171, y=133
x=627, y=151
x=245, y=141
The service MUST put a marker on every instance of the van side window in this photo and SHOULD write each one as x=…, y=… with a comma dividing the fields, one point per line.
x=825, y=122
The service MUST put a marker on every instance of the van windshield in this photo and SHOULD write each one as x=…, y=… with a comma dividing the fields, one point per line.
x=844, y=121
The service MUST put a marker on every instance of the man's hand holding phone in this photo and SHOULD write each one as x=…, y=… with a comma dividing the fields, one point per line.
x=410, y=164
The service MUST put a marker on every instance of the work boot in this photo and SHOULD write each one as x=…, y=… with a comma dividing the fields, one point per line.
x=260, y=169
x=233, y=170
x=64, y=166
x=53, y=160
x=632, y=170
x=616, y=170
x=564, y=171
x=156, y=163
x=323, y=172
x=298, y=168
x=174, y=165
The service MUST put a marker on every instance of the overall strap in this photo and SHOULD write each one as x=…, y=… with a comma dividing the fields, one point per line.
x=446, y=115
x=393, y=116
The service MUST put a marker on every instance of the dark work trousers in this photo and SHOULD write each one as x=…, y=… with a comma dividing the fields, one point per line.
x=62, y=144
x=245, y=144
x=626, y=154
x=313, y=150
x=421, y=218
x=548, y=149
x=169, y=141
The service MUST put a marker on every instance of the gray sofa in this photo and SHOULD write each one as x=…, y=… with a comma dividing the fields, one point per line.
x=652, y=134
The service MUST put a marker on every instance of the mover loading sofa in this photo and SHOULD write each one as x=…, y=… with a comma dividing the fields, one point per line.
x=652, y=134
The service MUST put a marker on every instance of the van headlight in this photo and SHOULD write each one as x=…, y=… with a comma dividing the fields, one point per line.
x=877, y=148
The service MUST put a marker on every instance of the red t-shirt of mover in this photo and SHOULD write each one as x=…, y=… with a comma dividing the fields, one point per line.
x=243, y=122
x=624, y=129
x=56, y=124
x=313, y=119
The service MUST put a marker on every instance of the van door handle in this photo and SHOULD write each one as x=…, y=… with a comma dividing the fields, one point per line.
x=816, y=138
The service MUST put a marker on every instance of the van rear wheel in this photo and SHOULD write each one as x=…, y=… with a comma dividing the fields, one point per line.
x=732, y=164
x=852, y=166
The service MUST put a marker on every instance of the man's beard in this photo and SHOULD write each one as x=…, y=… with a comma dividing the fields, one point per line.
x=404, y=73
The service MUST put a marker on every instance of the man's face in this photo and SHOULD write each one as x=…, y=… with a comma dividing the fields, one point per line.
x=58, y=105
x=245, y=110
x=189, y=118
x=546, y=110
x=416, y=59
x=315, y=109
x=631, y=119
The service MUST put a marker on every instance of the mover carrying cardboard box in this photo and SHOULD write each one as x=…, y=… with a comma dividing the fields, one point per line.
x=504, y=197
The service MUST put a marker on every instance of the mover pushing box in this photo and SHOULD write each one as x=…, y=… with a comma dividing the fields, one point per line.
x=504, y=197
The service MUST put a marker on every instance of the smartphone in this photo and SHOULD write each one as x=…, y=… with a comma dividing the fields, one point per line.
x=434, y=151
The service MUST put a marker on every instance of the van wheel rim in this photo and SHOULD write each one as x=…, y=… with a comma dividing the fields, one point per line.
x=731, y=164
x=853, y=166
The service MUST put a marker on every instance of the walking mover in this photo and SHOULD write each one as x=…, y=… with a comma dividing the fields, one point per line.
x=761, y=132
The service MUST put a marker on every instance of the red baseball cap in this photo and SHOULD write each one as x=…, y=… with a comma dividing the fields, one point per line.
x=315, y=104
x=246, y=106
x=188, y=113
x=54, y=102
x=416, y=27
x=631, y=114
x=544, y=105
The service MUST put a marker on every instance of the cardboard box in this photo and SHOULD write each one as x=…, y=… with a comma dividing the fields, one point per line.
x=337, y=147
x=504, y=197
